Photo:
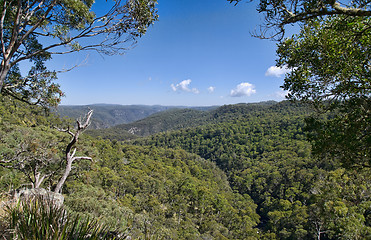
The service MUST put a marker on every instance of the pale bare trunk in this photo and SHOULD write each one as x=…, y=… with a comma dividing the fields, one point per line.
x=38, y=180
x=63, y=179
x=70, y=156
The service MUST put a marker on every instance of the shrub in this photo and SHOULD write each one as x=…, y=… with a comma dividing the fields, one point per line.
x=40, y=219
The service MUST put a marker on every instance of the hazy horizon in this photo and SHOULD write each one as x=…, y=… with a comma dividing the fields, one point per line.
x=166, y=105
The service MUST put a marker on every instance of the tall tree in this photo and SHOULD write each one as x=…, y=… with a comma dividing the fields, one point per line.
x=330, y=69
x=35, y=30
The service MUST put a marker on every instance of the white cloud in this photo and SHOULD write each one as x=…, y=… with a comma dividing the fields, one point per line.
x=281, y=94
x=195, y=90
x=243, y=89
x=184, y=86
x=211, y=89
x=277, y=71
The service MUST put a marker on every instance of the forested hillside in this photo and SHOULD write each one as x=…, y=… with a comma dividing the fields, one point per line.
x=175, y=119
x=264, y=152
x=160, y=122
x=145, y=192
x=246, y=172
x=109, y=115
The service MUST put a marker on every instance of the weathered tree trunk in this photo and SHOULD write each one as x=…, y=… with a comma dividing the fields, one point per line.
x=63, y=179
x=70, y=154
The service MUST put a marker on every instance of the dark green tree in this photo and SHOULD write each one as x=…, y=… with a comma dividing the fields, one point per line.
x=330, y=69
x=330, y=62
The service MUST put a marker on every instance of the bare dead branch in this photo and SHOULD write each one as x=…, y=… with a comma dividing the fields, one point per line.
x=83, y=158
x=70, y=157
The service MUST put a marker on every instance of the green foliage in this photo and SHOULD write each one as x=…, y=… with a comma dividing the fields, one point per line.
x=341, y=206
x=162, y=193
x=35, y=152
x=38, y=152
x=175, y=119
x=15, y=112
x=41, y=219
x=37, y=88
x=266, y=156
x=330, y=62
x=18, y=123
x=34, y=31
x=246, y=172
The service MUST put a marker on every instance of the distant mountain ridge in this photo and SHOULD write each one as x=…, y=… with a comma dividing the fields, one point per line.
x=109, y=115
x=175, y=119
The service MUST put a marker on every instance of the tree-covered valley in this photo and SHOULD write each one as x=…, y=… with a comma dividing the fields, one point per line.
x=244, y=172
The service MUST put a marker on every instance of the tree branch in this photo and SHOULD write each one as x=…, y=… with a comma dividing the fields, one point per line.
x=350, y=11
x=70, y=157
x=3, y=14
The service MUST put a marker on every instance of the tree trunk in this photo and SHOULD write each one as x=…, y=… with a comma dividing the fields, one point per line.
x=3, y=73
x=38, y=180
x=67, y=171
x=70, y=157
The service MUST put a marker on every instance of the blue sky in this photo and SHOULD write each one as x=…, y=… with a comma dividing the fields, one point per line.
x=199, y=53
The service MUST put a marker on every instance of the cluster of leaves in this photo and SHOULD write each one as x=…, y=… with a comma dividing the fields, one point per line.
x=331, y=69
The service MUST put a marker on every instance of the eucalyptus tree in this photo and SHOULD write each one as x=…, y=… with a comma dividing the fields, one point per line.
x=38, y=152
x=330, y=69
x=330, y=62
x=36, y=30
x=32, y=151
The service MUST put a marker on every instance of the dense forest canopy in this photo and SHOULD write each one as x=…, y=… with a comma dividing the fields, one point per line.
x=248, y=173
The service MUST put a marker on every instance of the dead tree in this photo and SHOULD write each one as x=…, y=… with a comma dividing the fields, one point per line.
x=71, y=150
